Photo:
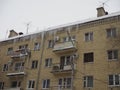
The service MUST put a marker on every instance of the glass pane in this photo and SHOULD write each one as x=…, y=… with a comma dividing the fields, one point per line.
x=90, y=81
x=111, y=82
x=116, y=80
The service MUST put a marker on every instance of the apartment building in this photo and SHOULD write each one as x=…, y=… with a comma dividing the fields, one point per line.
x=82, y=55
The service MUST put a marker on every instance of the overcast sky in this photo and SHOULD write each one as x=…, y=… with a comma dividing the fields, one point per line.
x=41, y=14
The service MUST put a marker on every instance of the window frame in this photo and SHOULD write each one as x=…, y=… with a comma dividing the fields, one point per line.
x=50, y=43
x=65, y=82
x=87, y=83
x=36, y=46
x=31, y=84
x=34, y=64
x=114, y=54
x=5, y=67
x=45, y=83
x=48, y=62
x=10, y=50
x=114, y=80
x=18, y=84
x=2, y=85
x=111, y=32
x=90, y=57
x=88, y=36
x=19, y=66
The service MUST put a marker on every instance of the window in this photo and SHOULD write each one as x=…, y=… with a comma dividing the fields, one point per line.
x=89, y=36
x=111, y=32
x=1, y=85
x=19, y=66
x=37, y=46
x=34, y=64
x=65, y=82
x=89, y=57
x=114, y=80
x=10, y=50
x=50, y=43
x=48, y=62
x=23, y=46
x=15, y=84
x=31, y=84
x=88, y=81
x=5, y=67
x=67, y=39
x=46, y=83
x=112, y=54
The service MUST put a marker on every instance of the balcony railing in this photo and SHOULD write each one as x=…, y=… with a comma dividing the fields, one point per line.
x=17, y=72
x=20, y=53
x=57, y=68
x=64, y=47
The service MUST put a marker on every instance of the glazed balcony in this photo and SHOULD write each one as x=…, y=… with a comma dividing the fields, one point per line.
x=64, y=47
x=57, y=68
x=20, y=53
x=17, y=72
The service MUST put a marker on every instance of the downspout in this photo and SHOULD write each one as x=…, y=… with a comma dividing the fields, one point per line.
x=40, y=62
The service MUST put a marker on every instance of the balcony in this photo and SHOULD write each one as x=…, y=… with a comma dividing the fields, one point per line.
x=57, y=68
x=20, y=53
x=17, y=72
x=64, y=47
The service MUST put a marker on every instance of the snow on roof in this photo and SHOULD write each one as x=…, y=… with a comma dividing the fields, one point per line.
x=65, y=25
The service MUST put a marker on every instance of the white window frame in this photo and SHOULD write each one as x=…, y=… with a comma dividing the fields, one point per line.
x=31, y=84
x=18, y=84
x=36, y=46
x=5, y=67
x=48, y=62
x=50, y=43
x=113, y=55
x=67, y=39
x=10, y=50
x=2, y=86
x=86, y=81
x=89, y=36
x=20, y=66
x=35, y=64
x=47, y=84
x=114, y=80
x=64, y=82
x=111, y=32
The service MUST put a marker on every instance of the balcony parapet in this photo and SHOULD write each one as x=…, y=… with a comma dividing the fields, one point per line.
x=64, y=47
x=20, y=53
x=57, y=68
x=17, y=72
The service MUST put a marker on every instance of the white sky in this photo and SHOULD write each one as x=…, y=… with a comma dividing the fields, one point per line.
x=15, y=14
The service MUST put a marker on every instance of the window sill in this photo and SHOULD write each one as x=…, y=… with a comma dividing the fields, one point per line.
x=114, y=86
x=110, y=60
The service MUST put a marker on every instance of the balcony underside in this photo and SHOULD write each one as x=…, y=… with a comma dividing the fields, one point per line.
x=16, y=74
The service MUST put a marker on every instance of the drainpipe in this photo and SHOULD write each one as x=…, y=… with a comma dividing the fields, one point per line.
x=41, y=56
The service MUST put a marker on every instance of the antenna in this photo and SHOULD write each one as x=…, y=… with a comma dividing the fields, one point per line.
x=6, y=33
x=104, y=3
x=27, y=25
